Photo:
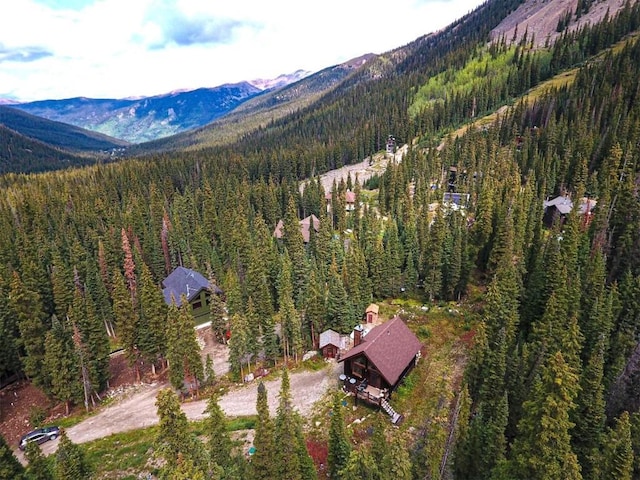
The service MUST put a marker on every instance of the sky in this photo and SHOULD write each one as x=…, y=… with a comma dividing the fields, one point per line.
x=55, y=49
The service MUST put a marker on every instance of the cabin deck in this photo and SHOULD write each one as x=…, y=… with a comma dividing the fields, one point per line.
x=363, y=391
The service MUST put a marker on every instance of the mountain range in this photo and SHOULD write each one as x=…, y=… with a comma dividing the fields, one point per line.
x=181, y=120
x=149, y=118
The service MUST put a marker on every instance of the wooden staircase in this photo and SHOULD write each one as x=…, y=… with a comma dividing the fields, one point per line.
x=396, y=418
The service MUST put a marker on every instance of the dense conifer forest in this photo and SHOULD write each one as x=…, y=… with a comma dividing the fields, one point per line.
x=551, y=385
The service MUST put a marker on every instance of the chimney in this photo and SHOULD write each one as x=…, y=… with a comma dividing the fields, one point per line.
x=357, y=335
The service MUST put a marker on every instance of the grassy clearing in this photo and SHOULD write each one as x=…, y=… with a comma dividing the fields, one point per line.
x=427, y=395
x=131, y=454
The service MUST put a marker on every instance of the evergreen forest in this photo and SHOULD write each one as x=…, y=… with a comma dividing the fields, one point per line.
x=552, y=381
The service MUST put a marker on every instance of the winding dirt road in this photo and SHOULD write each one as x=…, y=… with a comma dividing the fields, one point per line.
x=138, y=410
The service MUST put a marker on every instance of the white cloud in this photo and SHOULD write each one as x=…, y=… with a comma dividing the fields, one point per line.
x=119, y=48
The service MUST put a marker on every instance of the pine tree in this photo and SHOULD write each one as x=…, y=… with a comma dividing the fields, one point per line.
x=339, y=446
x=292, y=456
x=183, y=351
x=238, y=345
x=209, y=372
x=219, y=441
x=618, y=457
x=126, y=320
x=314, y=305
x=62, y=284
x=360, y=466
x=339, y=316
x=397, y=459
x=185, y=469
x=10, y=466
x=589, y=415
x=71, y=463
x=96, y=288
x=61, y=363
x=289, y=318
x=39, y=466
x=26, y=306
x=174, y=439
x=9, y=359
x=152, y=314
x=432, y=266
x=263, y=462
x=294, y=245
x=217, y=313
x=91, y=343
x=542, y=449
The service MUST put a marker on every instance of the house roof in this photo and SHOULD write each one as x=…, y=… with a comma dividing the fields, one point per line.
x=349, y=196
x=184, y=281
x=372, y=308
x=564, y=204
x=391, y=347
x=329, y=337
x=455, y=198
x=304, y=227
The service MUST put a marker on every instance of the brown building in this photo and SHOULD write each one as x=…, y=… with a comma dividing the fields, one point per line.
x=305, y=225
x=382, y=357
x=331, y=343
x=371, y=313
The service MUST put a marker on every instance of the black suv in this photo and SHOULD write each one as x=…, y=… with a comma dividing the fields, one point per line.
x=39, y=436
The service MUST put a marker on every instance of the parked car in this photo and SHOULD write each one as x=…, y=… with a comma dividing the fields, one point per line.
x=39, y=436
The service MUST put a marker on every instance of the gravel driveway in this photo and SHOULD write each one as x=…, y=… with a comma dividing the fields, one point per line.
x=138, y=410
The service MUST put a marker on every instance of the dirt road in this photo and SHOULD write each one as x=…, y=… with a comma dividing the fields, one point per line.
x=364, y=170
x=138, y=410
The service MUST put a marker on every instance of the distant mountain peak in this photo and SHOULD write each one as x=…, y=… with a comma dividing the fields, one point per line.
x=280, y=80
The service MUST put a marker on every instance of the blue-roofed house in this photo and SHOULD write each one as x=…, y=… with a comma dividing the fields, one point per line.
x=184, y=281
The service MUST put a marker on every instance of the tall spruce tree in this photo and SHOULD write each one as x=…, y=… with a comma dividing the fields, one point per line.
x=71, y=461
x=542, y=449
x=339, y=446
x=40, y=467
x=617, y=454
x=10, y=466
x=126, y=320
x=183, y=352
x=222, y=456
x=339, y=315
x=26, y=305
x=174, y=440
x=360, y=466
x=62, y=364
x=292, y=456
x=264, y=460
x=291, y=325
x=153, y=313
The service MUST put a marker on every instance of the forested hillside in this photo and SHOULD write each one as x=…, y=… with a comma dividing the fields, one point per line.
x=23, y=154
x=550, y=389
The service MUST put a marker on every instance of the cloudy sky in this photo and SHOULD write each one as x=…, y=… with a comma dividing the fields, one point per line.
x=52, y=49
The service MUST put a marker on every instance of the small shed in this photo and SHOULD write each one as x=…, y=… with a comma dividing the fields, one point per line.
x=371, y=313
x=330, y=344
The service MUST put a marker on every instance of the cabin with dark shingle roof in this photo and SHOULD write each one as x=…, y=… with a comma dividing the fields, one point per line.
x=184, y=281
x=384, y=356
